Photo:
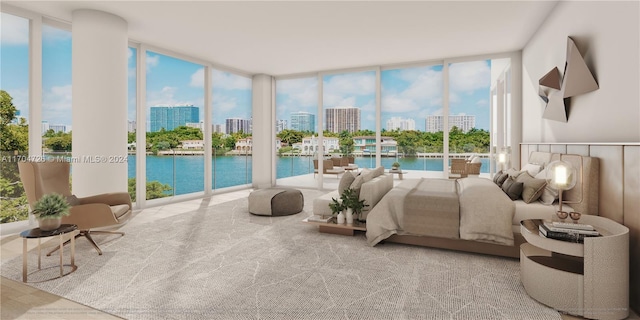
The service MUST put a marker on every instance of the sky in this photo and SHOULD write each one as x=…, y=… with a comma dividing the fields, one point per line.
x=410, y=93
x=170, y=81
x=407, y=93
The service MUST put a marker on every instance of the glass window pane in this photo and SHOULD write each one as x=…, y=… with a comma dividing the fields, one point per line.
x=232, y=129
x=296, y=130
x=14, y=128
x=349, y=104
x=469, y=110
x=56, y=91
x=132, y=90
x=175, y=98
x=410, y=97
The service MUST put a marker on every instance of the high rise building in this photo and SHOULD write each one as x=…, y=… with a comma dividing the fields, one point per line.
x=233, y=125
x=281, y=125
x=462, y=121
x=401, y=124
x=170, y=118
x=339, y=119
x=131, y=125
x=303, y=121
x=219, y=128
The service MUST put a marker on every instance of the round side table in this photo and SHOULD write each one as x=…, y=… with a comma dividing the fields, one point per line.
x=39, y=234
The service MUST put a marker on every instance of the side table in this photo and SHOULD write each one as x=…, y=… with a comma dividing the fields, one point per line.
x=589, y=279
x=39, y=234
x=400, y=173
x=345, y=229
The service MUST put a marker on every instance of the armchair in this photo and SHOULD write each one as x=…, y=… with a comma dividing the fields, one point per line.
x=462, y=168
x=40, y=178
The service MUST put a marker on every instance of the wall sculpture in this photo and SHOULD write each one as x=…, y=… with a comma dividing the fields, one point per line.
x=555, y=90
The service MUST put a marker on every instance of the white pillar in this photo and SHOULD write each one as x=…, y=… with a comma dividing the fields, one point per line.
x=262, y=132
x=99, y=53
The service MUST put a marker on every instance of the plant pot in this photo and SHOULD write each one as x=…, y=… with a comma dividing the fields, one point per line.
x=340, y=218
x=49, y=224
x=394, y=168
x=349, y=215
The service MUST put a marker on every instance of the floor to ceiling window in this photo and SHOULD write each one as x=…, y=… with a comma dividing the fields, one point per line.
x=231, y=129
x=411, y=97
x=14, y=104
x=56, y=92
x=132, y=91
x=349, y=107
x=296, y=127
x=175, y=100
x=469, y=110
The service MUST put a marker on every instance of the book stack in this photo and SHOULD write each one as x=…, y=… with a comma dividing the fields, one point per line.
x=572, y=232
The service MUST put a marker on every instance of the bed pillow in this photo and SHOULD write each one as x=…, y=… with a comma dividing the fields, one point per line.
x=502, y=178
x=532, y=168
x=512, y=188
x=549, y=194
x=533, y=188
x=496, y=176
x=345, y=182
x=512, y=172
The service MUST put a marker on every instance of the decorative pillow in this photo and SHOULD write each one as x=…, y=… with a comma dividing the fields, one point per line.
x=502, y=178
x=533, y=187
x=378, y=171
x=72, y=200
x=345, y=182
x=476, y=159
x=496, y=176
x=533, y=169
x=549, y=194
x=357, y=182
x=512, y=188
x=512, y=172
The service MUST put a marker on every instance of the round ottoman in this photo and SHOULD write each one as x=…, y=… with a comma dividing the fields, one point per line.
x=275, y=201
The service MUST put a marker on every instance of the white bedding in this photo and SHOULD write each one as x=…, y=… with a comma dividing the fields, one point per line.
x=486, y=213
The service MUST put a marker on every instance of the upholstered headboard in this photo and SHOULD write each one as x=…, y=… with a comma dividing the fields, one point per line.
x=583, y=197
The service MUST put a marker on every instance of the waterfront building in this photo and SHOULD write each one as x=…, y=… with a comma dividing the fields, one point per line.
x=400, y=124
x=192, y=144
x=46, y=126
x=244, y=145
x=219, y=128
x=172, y=117
x=435, y=123
x=309, y=145
x=233, y=125
x=131, y=125
x=339, y=119
x=367, y=145
x=303, y=121
x=281, y=125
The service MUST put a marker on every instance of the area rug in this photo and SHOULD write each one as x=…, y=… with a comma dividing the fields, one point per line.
x=220, y=262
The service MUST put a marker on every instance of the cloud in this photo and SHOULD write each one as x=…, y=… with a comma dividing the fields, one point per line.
x=469, y=76
x=229, y=81
x=56, y=105
x=20, y=100
x=14, y=30
x=482, y=103
x=152, y=61
x=424, y=91
x=197, y=78
x=296, y=95
x=356, y=84
x=166, y=97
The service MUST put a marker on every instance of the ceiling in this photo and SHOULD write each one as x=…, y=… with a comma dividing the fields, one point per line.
x=290, y=37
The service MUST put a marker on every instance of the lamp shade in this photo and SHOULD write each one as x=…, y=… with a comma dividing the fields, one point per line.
x=561, y=175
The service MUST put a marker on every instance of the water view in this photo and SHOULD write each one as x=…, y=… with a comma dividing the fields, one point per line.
x=236, y=170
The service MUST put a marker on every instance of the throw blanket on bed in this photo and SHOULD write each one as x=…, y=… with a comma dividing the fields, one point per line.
x=485, y=212
x=432, y=209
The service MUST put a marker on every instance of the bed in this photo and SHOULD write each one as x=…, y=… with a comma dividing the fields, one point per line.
x=474, y=214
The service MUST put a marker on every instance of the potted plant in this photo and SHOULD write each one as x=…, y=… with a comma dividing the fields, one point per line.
x=49, y=211
x=353, y=204
x=336, y=210
x=395, y=166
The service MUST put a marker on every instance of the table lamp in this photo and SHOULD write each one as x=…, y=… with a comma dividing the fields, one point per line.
x=562, y=176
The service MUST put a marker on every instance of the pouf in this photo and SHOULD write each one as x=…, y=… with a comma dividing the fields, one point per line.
x=275, y=202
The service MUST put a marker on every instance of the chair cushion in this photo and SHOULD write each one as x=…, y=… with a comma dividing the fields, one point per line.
x=119, y=210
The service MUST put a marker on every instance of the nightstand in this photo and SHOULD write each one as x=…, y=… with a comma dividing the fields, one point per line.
x=589, y=279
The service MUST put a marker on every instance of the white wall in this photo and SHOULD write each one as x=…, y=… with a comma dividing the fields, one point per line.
x=607, y=34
